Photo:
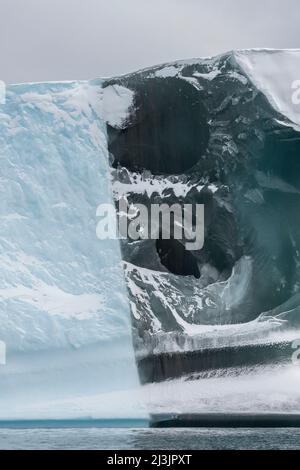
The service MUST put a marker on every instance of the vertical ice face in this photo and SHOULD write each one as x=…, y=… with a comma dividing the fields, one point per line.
x=64, y=315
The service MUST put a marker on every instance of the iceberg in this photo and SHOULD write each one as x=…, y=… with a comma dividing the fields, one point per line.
x=83, y=321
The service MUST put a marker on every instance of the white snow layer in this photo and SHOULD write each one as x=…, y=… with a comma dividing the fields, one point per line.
x=64, y=314
x=277, y=74
x=117, y=101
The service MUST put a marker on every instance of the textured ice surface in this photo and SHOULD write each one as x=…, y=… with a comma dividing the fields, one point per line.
x=223, y=132
x=64, y=313
x=244, y=169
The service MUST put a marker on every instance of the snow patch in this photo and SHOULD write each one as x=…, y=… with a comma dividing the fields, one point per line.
x=274, y=73
x=54, y=300
x=117, y=101
x=169, y=71
x=208, y=75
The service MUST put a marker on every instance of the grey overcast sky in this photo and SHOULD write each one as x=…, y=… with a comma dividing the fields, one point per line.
x=80, y=39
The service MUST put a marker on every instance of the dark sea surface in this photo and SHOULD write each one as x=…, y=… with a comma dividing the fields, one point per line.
x=139, y=438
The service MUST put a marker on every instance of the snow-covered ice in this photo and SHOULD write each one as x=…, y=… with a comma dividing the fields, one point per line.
x=275, y=73
x=117, y=101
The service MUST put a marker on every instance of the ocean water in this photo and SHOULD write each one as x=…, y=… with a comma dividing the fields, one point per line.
x=148, y=439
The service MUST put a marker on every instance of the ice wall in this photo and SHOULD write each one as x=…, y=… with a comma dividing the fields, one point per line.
x=64, y=314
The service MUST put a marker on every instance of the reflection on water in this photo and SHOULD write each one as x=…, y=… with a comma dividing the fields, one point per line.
x=153, y=439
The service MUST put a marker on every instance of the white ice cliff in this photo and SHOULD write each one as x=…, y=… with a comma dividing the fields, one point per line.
x=64, y=314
